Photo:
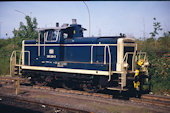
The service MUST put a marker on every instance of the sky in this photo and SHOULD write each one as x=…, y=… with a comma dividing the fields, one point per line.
x=107, y=18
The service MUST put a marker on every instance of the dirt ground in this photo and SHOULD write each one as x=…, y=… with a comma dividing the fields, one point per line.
x=82, y=102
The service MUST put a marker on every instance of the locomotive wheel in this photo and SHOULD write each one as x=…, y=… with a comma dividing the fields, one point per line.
x=90, y=88
x=41, y=83
x=67, y=85
x=56, y=84
x=32, y=82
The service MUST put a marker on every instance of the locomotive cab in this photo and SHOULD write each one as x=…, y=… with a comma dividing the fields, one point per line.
x=57, y=34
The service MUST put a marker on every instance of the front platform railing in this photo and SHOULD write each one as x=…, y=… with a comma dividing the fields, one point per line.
x=16, y=61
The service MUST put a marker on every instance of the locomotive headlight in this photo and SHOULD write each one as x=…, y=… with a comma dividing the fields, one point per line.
x=29, y=78
x=125, y=65
x=146, y=63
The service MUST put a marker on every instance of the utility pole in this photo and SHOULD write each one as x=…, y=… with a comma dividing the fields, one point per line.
x=23, y=13
x=144, y=34
x=20, y=12
x=89, y=16
x=0, y=30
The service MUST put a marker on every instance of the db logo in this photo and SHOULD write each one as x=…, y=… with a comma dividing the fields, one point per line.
x=51, y=51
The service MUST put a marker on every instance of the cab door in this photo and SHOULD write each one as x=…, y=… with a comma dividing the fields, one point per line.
x=50, y=48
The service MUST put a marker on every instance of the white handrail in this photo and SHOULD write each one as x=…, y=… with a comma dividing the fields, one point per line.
x=142, y=53
x=126, y=58
x=110, y=61
x=11, y=60
x=28, y=56
x=92, y=54
x=19, y=63
x=104, y=54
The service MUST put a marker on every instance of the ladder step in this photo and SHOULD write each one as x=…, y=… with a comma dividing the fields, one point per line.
x=15, y=72
x=120, y=83
x=16, y=69
x=130, y=78
x=131, y=72
x=121, y=78
x=116, y=80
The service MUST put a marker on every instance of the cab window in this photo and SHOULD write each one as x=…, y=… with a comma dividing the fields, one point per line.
x=51, y=35
x=42, y=36
x=67, y=33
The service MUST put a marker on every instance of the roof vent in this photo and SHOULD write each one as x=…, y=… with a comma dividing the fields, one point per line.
x=57, y=24
x=65, y=25
x=74, y=21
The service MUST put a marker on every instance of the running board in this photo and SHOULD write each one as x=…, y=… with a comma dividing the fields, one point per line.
x=117, y=88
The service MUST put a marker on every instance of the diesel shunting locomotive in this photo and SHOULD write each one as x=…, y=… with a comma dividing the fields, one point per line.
x=62, y=55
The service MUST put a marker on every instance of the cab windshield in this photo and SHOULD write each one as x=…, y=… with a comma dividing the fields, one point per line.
x=52, y=35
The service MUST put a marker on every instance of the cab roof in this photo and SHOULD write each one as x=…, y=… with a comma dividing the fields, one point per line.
x=51, y=28
x=56, y=28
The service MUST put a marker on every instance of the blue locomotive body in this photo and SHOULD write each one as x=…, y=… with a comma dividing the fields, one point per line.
x=73, y=53
x=63, y=52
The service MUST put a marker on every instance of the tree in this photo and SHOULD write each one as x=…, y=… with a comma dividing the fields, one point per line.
x=26, y=31
x=157, y=28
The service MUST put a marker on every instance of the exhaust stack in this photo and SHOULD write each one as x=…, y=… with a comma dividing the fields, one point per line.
x=57, y=24
x=74, y=21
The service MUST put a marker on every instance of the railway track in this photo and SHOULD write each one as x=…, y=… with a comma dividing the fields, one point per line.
x=76, y=92
x=153, y=100
x=161, y=101
x=12, y=80
x=154, y=97
x=40, y=106
x=146, y=99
